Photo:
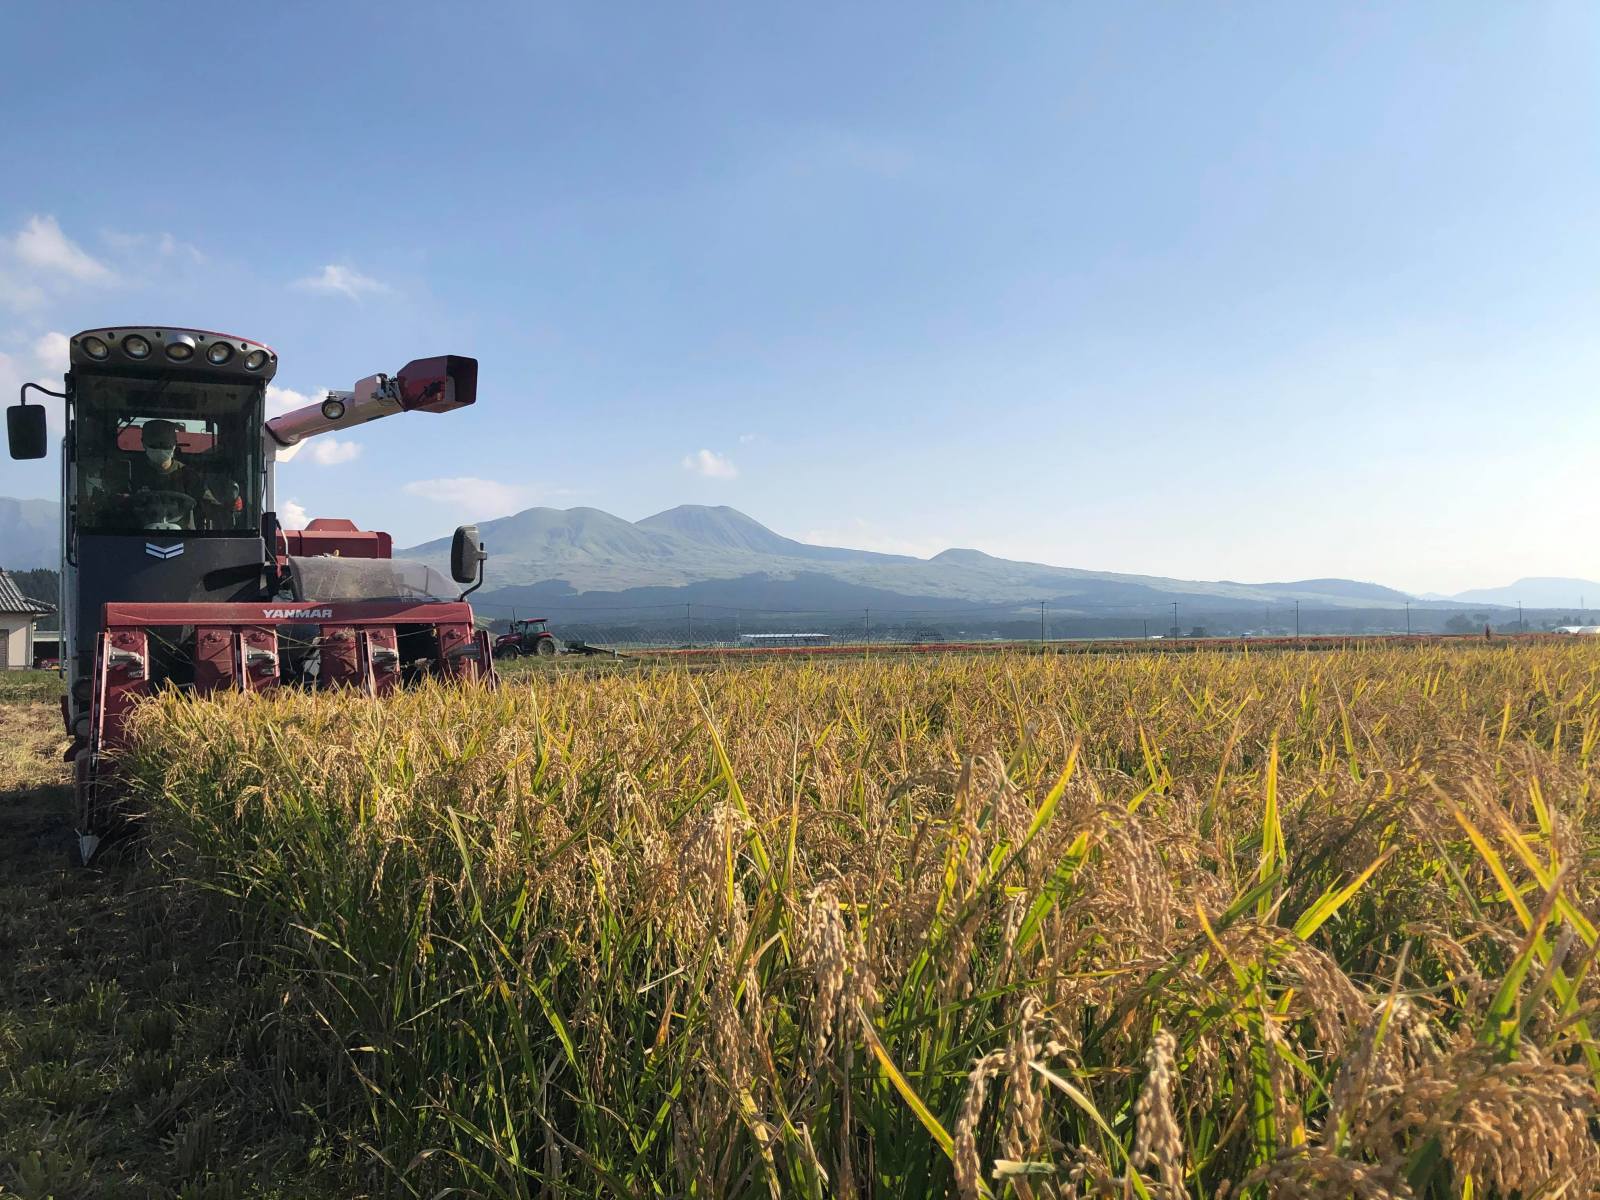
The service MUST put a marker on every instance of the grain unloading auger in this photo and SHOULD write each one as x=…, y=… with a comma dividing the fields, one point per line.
x=174, y=569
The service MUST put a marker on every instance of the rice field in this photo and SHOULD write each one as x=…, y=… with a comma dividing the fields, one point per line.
x=1216, y=925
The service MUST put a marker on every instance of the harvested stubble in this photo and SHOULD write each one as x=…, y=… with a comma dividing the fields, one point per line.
x=1221, y=925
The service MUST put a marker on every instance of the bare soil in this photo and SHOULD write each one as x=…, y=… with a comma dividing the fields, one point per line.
x=134, y=1051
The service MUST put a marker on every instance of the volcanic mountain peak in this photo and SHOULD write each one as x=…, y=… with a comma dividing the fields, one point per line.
x=720, y=526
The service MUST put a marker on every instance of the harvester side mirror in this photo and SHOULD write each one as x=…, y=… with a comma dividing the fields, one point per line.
x=25, y=431
x=438, y=384
x=466, y=557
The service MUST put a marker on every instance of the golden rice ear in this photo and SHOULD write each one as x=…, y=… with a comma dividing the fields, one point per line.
x=1307, y=924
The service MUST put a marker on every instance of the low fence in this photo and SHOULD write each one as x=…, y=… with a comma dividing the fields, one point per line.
x=1310, y=642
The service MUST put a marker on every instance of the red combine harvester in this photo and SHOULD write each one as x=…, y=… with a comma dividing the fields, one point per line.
x=174, y=569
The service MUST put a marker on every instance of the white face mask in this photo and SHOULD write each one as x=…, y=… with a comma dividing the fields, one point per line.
x=160, y=457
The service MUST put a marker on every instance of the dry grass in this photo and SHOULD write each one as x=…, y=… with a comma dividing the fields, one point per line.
x=29, y=687
x=1221, y=925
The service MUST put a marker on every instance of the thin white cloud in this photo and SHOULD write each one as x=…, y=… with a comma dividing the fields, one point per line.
x=339, y=280
x=12, y=377
x=749, y=439
x=39, y=262
x=44, y=362
x=328, y=451
x=281, y=400
x=708, y=464
x=146, y=245
x=41, y=246
x=53, y=353
x=292, y=514
x=17, y=293
x=481, y=499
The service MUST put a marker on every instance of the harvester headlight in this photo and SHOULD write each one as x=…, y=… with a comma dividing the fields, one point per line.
x=136, y=346
x=218, y=353
x=94, y=347
x=181, y=349
x=255, y=360
x=333, y=408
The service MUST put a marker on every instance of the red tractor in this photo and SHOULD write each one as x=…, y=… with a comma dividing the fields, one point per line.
x=175, y=572
x=527, y=638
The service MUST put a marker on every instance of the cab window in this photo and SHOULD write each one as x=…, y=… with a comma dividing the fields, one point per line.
x=173, y=455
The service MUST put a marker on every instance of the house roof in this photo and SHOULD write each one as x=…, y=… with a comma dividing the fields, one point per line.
x=12, y=600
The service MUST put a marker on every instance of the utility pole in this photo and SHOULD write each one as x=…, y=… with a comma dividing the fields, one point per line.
x=1408, y=618
x=688, y=617
x=1174, y=618
x=1522, y=626
x=1041, y=624
x=1297, y=620
x=869, y=624
x=1147, y=629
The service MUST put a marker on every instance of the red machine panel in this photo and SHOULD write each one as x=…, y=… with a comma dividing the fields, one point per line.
x=333, y=535
x=381, y=649
x=339, y=656
x=122, y=676
x=258, y=658
x=454, y=614
x=216, y=658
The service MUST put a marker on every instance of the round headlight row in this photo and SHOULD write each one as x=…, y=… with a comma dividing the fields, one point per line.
x=180, y=349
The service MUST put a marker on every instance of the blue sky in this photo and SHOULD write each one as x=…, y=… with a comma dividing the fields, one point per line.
x=1234, y=291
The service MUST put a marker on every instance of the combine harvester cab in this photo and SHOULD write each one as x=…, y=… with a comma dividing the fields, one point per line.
x=175, y=572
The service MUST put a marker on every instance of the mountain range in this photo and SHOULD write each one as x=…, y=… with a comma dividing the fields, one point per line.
x=581, y=558
x=586, y=558
x=1538, y=591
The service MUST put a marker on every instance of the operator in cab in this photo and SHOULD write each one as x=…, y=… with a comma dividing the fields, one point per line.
x=168, y=493
x=165, y=492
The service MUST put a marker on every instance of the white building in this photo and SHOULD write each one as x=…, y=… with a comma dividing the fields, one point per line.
x=18, y=616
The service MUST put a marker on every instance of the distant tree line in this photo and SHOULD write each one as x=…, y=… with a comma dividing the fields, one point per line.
x=722, y=628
